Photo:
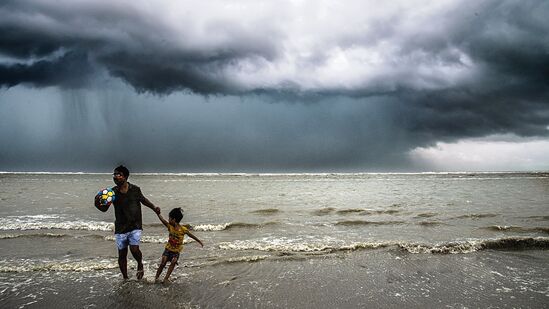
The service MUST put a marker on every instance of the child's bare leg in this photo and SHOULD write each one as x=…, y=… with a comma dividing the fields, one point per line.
x=161, y=267
x=170, y=269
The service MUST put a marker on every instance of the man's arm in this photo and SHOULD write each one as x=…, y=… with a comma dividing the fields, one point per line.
x=145, y=201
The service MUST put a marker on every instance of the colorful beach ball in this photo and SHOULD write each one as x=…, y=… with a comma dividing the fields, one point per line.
x=107, y=196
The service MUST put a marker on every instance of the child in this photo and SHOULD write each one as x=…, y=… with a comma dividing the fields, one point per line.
x=175, y=241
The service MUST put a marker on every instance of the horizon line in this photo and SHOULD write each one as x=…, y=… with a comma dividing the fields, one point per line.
x=270, y=173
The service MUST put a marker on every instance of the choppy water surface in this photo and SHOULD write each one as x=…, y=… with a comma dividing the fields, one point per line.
x=280, y=241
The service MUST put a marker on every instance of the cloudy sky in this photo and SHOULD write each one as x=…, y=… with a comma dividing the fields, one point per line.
x=274, y=86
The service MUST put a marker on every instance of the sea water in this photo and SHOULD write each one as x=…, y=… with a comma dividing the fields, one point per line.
x=284, y=241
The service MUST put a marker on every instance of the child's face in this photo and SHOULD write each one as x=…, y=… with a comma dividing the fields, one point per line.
x=172, y=221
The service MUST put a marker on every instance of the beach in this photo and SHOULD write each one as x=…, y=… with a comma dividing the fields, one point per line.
x=451, y=240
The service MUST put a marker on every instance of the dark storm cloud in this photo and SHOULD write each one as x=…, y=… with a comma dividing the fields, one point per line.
x=61, y=71
x=126, y=43
x=372, y=81
x=503, y=41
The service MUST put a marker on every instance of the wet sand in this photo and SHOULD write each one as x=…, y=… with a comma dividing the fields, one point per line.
x=372, y=279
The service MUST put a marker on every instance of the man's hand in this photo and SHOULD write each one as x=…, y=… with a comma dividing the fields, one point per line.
x=97, y=201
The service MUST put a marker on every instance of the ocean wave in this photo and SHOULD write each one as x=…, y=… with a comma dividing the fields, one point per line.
x=67, y=225
x=159, y=224
x=364, y=222
x=430, y=223
x=23, y=266
x=284, y=245
x=350, y=211
x=152, y=239
x=267, y=211
x=427, y=215
x=329, y=210
x=49, y=235
x=382, y=212
x=243, y=259
x=540, y=218
x=323, y=211
x=468, y=246
x=226, y=226
x=476, y=216
x=517, y=229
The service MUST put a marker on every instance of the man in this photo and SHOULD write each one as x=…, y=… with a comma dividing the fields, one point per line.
x=128, y=223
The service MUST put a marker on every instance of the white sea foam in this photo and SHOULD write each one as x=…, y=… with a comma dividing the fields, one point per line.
x=56, y=265
x=11, y=236
x=253, y=258
x=48, y=222
x=152, y=239
x=299, y=246
x=281, y=244
x=329, y=245
x=473, y=245
x=211, y=227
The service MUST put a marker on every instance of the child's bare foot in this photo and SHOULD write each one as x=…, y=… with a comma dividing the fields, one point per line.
x=166, y=281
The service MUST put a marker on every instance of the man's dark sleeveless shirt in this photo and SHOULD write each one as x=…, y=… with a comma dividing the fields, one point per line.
x=127, y=210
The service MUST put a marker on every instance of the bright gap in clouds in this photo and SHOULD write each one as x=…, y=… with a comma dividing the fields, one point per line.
x=493, y=153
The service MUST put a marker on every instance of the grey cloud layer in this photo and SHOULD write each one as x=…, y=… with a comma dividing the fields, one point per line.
x=429, y=71
x=449, y=47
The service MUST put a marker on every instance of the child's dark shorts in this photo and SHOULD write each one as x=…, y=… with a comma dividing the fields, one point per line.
x=170, y=254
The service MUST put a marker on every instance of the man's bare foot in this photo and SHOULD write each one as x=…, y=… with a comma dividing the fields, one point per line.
x=140, y=272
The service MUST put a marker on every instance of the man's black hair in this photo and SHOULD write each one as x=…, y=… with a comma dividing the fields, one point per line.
x=176, y=214
x=124, y=170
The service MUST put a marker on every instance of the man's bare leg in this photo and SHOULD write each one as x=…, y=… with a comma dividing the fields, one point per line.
x=139, y=258
x=123, y=262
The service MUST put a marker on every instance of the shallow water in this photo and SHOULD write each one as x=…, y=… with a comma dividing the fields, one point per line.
x=293, y=240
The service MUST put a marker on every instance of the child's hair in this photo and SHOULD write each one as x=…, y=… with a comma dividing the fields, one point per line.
x=176, y=214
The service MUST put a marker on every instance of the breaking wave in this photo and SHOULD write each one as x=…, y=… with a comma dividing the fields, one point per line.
x=267, y=211
x=476, y=216
x=329, y=210
x=350, y=211
x=22, y=266
x=297, y=245
x=426, y=215
x=517, y=229
x=226, y=226
x=430, y=223
x=330, y=246
x=363, y=222
x=47, y=235
x=152, y=239
x=468, y=246
x=243, y=259
x=68, y=225
x=323, y=211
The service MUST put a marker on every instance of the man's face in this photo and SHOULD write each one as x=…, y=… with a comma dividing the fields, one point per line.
x=118, y=178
